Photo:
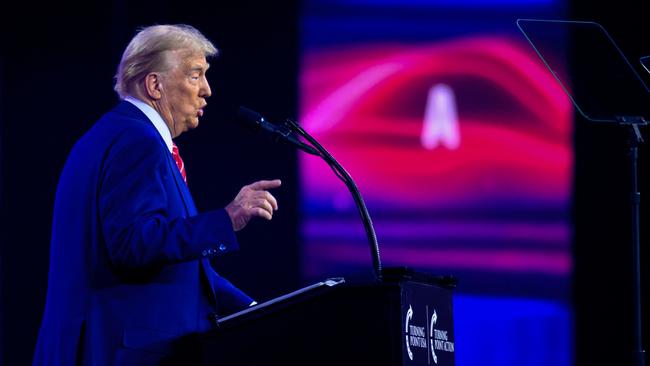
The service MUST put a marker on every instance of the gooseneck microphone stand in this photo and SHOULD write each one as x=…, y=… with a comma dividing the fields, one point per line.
x=342, y=174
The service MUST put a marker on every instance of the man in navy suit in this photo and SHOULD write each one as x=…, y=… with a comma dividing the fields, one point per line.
x=129, y=268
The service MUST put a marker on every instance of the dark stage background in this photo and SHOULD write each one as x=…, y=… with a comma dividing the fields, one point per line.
x=57, y=64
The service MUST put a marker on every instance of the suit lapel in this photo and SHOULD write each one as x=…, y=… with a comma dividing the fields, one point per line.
x=191, y=211
x=190, y=208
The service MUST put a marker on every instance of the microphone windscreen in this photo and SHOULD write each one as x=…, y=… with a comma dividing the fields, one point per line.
x=249, y=116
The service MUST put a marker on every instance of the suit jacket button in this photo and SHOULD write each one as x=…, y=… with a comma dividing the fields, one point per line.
x=213, y=317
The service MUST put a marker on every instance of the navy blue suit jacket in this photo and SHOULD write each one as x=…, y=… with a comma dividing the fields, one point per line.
x=129, y=263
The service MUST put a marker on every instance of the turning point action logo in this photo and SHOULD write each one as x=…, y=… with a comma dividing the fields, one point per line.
x=417, y=337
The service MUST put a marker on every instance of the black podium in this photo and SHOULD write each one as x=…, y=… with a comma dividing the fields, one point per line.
x=401, y=322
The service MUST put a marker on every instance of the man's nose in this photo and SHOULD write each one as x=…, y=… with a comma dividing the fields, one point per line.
x=205, y=90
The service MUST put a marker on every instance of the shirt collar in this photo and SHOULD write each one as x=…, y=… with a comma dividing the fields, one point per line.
x=155, y=118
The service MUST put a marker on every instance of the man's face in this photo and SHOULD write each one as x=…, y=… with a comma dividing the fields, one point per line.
x=184, y=90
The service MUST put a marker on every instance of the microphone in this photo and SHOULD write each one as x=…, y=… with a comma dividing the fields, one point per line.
x=279, y=132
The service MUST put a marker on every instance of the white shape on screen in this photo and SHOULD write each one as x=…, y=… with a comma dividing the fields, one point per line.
x=440, y=119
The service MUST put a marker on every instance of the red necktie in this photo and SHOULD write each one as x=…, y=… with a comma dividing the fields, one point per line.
x=179, y=161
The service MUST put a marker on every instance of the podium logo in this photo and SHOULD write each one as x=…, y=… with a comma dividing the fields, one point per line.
x=438, y=338
x=416, y=336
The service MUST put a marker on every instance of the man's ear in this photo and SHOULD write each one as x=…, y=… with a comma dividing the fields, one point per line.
x=153, y=85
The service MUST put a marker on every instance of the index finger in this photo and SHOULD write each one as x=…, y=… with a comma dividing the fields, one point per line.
x=265, y=184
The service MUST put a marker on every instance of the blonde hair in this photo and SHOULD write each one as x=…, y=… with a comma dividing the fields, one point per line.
x=146, y=53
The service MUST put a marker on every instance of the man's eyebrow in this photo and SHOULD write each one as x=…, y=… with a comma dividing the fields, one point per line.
x=200, y=68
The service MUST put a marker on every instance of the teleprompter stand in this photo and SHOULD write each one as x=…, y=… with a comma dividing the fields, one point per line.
x=605, y=88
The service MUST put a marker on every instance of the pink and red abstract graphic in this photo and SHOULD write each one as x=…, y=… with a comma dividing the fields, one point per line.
x=462, y=150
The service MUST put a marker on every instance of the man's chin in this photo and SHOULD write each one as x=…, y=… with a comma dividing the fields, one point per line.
x=192, y=124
